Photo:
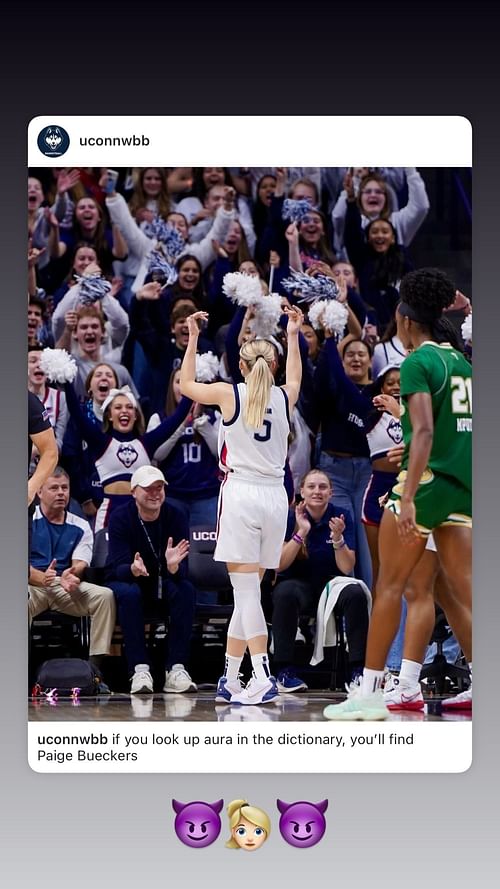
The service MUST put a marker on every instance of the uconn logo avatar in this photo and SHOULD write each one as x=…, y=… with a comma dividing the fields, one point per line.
x=53, y=141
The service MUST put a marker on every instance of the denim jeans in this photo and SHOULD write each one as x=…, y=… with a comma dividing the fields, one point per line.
x=451, y=651
x=197, y=512
x=349, y=477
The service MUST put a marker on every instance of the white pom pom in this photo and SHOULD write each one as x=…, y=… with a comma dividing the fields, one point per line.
x=58, y=366
x=315, y=314
x=467, y=328
x=335, y=316
x=242, y=289
x=328, y=314
x=207, y=367
x=268, y=312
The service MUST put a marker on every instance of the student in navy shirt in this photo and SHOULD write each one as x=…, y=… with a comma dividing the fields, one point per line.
x=319, y=545
x=341, y=405
x=189, y=458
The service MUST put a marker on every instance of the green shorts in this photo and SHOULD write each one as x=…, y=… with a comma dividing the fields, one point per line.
x=440, y=500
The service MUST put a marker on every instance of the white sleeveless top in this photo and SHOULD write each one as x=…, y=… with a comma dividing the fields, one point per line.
x=386, y=433
x=256, y=454
x=120, y=460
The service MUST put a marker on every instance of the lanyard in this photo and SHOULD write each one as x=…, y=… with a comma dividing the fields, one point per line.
x=156, y=555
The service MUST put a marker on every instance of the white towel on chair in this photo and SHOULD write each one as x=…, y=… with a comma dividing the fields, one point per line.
x=326, y=634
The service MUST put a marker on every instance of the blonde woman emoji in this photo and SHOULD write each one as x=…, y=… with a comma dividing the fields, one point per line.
x=250, y=826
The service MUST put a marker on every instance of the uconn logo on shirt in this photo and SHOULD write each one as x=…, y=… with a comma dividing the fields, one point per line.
x=53, y=141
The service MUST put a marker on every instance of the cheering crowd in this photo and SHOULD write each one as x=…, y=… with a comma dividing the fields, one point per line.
x=166, y=286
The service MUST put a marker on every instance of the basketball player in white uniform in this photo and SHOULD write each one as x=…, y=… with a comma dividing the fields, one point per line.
x=253, y=506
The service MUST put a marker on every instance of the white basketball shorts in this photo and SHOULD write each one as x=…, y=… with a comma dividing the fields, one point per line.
x=251, y=525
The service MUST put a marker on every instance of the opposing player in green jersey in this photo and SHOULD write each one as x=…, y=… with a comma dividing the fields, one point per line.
x=433, y=491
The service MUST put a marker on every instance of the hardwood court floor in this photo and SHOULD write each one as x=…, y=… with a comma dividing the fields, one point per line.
x=200, y=707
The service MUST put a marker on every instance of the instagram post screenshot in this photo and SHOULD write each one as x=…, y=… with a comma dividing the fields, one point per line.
x=250, y=439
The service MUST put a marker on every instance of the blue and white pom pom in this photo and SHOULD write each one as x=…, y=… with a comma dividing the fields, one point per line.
x=158, y=265
x=207, y=367
x=244, y=290
x=329, y=315
x=467, y=329
x=157, y=229
x=311, y=288
x=172, y=241
x=295, y=211
x=58, y=365
x=91, y=288
x=268, y=312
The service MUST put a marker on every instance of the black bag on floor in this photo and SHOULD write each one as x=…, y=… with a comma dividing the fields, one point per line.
x=64, y=675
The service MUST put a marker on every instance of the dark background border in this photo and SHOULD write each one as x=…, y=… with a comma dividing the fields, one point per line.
x=228, y=58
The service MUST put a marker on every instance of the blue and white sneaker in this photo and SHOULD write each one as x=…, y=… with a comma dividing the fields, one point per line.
x=226, y=690
x=258, y=691
x=287, y=682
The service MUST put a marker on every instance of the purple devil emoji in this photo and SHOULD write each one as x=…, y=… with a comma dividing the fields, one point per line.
x=197, y=824
x=302, y=824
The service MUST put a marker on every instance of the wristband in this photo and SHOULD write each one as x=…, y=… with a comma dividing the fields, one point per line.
x=338, y=544
x=298, y=539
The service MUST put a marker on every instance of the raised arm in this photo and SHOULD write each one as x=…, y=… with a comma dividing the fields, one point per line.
x=206, y=393
x=205, y=251
x=293, y=373
x=410, y=218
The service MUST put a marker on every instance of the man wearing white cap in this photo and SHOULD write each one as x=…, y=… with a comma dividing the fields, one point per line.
x=147, y=572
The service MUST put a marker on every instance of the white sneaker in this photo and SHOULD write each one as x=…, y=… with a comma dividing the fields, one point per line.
x=357, y=706
x=142, y=681
x=226, y=689
x=257, y=691
x=401, y=695
x=178, y=680
x=462, y=701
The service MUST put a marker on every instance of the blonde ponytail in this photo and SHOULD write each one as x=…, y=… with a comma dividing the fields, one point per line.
x=258, y=355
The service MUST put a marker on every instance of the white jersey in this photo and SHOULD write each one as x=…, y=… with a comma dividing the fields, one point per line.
x=256, y=454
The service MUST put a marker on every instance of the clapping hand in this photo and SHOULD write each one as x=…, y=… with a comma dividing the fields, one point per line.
x=337, y=528
x=302, y=519
x=138, y=567
x=174, y=555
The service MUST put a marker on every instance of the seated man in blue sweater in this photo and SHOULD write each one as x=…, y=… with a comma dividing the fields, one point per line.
x=319, y=545
x=61, y=549
x=147, y=573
